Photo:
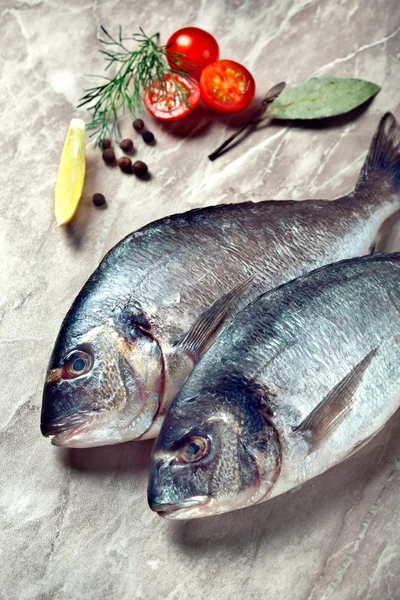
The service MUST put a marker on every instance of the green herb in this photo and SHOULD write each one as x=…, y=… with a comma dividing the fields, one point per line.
x=137, y=71
x=317, y=98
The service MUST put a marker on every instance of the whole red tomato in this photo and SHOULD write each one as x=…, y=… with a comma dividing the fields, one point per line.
x=226, y=86
x=199, y=47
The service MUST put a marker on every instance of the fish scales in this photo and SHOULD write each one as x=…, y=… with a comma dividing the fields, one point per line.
x=304, y=376
x=165, y=293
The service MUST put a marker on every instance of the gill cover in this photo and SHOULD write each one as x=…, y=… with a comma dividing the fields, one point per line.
x=257, y=434
x=243, y=457
x=116, y=399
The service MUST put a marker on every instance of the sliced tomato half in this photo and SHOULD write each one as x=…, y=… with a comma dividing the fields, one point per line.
x=227, y=86
x=172, y=98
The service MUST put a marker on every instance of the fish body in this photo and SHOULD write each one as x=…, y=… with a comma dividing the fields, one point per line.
x=303, y=377
x=162, y=296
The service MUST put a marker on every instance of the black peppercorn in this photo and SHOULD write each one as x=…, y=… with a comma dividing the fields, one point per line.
x=148, y=137
x=98, y=199
x=106, y=144
x=126, y=145
x=125, y=164
x=138, y=125
x=109, y=156
x=139, y=168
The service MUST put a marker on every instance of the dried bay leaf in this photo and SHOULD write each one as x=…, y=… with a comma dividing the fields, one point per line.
x=319, y=98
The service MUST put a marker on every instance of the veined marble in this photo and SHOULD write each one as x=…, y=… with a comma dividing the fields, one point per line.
x=75, y=524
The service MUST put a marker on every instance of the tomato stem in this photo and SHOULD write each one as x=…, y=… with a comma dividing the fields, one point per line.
x=261, y=112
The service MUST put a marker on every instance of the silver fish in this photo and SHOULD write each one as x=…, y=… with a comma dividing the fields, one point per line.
x=302, y=379
x=162, y=296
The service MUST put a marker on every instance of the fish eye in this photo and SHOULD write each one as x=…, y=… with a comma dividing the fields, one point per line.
x=195, y=449
x=78, y=363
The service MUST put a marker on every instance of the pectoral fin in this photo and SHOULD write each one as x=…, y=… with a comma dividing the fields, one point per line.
x=328, y=415
x=208, y=326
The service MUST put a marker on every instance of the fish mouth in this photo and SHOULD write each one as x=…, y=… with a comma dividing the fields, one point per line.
x=206, y=506
x=185, y=509
x=62, y=432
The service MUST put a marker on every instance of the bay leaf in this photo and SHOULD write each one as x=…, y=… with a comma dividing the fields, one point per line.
x=320, y=97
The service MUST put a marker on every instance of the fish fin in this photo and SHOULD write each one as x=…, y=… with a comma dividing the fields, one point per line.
x=207, y=327
x=328, y=415
x=384, y=153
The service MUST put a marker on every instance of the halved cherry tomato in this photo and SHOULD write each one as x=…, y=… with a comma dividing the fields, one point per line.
x=163, y=102
x=226, y=86
x=199, y=47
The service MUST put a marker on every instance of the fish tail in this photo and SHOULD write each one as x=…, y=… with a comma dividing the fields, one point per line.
x=383, y=157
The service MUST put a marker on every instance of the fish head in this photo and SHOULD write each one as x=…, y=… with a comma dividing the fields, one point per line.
x=103, y=384
x=215, y=453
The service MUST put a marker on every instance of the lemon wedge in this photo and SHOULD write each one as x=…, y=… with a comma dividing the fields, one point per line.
x=71, y=173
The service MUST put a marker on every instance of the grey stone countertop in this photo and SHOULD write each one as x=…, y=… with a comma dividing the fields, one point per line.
x=74, y=524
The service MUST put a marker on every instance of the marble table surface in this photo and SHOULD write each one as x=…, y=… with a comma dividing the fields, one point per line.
x=75, y=524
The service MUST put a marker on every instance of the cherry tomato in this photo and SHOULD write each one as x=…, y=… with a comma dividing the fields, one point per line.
x=163, y=102
x=199, y=47
x=226, y=86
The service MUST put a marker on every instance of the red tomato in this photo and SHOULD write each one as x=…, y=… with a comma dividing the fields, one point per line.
x=226, y=86
x=164, y=104
x=199, y=47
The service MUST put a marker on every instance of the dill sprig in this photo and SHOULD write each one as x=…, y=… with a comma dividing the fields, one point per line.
x=136, y=71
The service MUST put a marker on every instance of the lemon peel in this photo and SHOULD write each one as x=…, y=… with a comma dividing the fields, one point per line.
x=71, y=173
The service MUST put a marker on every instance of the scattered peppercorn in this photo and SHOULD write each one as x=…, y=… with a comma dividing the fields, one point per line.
x=125, y=164
x=139, y=168
x=126, y=145
x=138, y=125
x=148, y=137
x=106, y=144
x=109, y=156
x=98, y=199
